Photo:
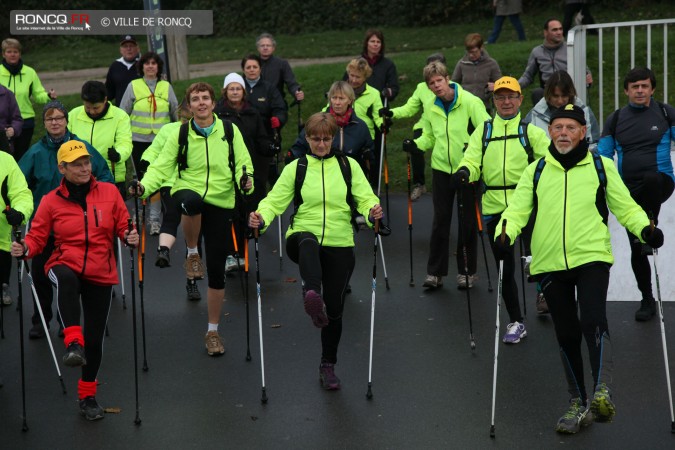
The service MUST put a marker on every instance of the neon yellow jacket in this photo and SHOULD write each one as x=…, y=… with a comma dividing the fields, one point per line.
x=504, y=160
x=447, y=134
x=111, y=130
x=208, y=172
x=25, y=85
x=16, y=192
x=367, y=107
x=151, y=153
x=420, y=96
x=569, y=231
x=324, y=211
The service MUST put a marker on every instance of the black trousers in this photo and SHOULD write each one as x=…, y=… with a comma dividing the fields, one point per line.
x=71, y=291
x=329, y=268
x=443, y=197
x=655, y=189
x=43, y=286
x=509, y=285
x=591, y=282
x=5, y=266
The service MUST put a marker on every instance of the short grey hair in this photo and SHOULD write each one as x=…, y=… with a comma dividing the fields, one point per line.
x=265, y=36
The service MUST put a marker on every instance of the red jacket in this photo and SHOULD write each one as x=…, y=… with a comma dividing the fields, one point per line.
x=83, y=241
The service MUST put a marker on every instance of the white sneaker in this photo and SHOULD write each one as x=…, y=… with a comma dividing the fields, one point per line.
x=514, y=332
x=417, y=192
x=154, y=228
x=230, y=264
x=461, y=280
x=6, y=296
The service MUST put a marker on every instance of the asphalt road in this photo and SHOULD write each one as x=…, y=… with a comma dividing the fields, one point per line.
x=430, y=390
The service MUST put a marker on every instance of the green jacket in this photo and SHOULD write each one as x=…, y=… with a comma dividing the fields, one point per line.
x=111, y=130
x=569, y=230
x=25, y=85
x=414, y=104
x=151, y=153
x=504, y=160
x=14, y=193
x=208, y=171
x=324, y=211
x=447, y=133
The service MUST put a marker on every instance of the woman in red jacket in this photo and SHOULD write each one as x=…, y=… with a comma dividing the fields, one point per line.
x=84, y=216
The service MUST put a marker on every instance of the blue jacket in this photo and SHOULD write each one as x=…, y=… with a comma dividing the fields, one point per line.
x=39, y=166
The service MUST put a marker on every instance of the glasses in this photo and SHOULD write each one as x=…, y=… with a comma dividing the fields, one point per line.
x=512, y=97
x=317, y=140
x=568, y=128
x=55, y=119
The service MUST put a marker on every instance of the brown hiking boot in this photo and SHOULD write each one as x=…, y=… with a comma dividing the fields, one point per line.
x=214, y=345
x=194, y=267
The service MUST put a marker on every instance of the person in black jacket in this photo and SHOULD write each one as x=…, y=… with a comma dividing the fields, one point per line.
x=123, y=70
x=384, y=77
x=277, y=71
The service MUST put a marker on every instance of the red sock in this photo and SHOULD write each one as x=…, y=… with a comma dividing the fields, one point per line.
x=86, y=389
x=73, y=334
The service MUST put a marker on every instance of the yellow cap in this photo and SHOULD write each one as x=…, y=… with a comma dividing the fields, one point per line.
x=509, y=83
x=70, y=151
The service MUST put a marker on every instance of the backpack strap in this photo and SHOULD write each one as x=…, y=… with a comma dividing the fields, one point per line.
x=600, y=169
x=535, y=179
x=612, y=125
x=300, y=173
x=521, y=136
x=182, y=147
x=525, y=141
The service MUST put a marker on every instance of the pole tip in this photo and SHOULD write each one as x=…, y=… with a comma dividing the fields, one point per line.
x=492, y=431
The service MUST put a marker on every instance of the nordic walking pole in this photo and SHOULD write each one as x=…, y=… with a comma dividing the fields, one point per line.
x=465, y=255
x=44, y=325
x=499, y=298
x=479, y=221
x=663, y=339
x=410, y=226
x=141, y=268
x=248, y=320
x=137, y=421
x=119, y=260
x=369, y=393
x=256, y=233
x=522, y=272
x=244, y=290
x=24, y=427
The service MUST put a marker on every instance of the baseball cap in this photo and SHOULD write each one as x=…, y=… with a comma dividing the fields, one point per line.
x=509, y=83
x=128, y=38
x=71, y=150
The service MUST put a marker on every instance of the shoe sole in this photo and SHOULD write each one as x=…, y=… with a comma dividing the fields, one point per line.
x=315, y=308
x=162, y=263
x=524, y=335
x=603, y=409
x=92, y=418
x=329, y=387
x=72, y=360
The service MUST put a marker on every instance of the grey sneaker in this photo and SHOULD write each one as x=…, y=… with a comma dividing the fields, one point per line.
x=231, y=264
x=154, y=228
x=90, y=409
x=417, y=192
x=6, y=295
x=602, y=405
x=433, y=282
x=461, y=280
x=577, y=415
x=194, y=268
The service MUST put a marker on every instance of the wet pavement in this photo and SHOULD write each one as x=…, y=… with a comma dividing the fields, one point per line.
x=430, y=390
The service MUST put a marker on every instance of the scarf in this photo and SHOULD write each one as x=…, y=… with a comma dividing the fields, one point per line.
x=360, y=90
x=343, y=120
x=102, y=114
x=78, y=192
x=372, y=61
x=13, y=69
x=572, y=158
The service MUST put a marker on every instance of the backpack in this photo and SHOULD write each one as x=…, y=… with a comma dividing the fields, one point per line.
x=345, y=169
x=602, y=177
x=181, y=159
x=521, y=136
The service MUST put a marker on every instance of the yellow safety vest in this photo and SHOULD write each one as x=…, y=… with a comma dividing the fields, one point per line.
x=150, y=111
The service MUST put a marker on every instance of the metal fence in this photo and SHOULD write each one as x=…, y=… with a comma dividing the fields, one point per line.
x=647, y=43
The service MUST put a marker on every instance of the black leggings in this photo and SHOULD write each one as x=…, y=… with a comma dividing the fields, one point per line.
x=417, y=161
x=509, y=285
x=170, y=212
x=330, y=268
x=655, y=189
x=216, y=230
x=591, y=282
x=43, y=286
x=443, y=196
x=5, y=266
x=95, y=299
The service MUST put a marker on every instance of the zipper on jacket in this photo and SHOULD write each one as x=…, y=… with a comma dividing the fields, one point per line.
x=447, y=139
x=506, y=203
x=208, y=167
x=323, y=193
x=86, y=242
x=96, y=213
x=564, y=238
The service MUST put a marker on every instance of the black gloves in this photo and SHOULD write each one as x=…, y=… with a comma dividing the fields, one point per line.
x=15, y=218
x=386, y=124
x=143, y=166
x=653, y=237
x=385, y=112
x=501, y=249
x=461, y=177
x=409, y=146
x=113, y=155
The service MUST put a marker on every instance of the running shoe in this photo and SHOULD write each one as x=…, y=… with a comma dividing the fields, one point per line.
x=214, y=344
x=327, y=377
x=90, y=409
x=602, y=406
x=514, y=332
x=577, y=415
